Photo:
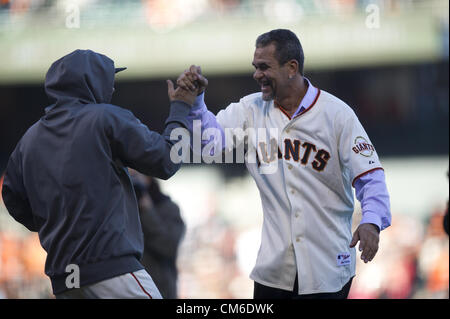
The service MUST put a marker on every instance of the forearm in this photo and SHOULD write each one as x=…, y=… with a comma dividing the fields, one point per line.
x=372, y=192
x=178, y=117
x=205, y=126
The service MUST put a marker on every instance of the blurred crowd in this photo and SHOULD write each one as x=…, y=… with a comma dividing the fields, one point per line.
x=22, y=262
x=216, y=256
x=413, y=262
x=161, y=14
x=220, y=5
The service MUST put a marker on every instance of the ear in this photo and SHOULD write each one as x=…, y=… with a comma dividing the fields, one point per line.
x=292, y=66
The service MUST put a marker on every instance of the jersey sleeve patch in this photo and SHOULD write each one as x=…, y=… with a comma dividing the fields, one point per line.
x=362, y=147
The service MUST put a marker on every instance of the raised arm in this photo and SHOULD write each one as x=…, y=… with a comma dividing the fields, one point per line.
x=145, y=150
x=212, y=128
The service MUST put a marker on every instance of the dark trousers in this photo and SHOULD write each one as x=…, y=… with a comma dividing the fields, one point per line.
x=264, y=292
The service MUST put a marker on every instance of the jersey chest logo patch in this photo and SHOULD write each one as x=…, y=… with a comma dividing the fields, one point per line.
x=363, y=147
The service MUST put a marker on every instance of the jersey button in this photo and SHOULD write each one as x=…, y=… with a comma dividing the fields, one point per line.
x=290, y=166
x=292, y=191
x=296, y=215
x=297, y=239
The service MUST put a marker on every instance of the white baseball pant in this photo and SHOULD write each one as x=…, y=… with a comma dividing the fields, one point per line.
x=135, y=285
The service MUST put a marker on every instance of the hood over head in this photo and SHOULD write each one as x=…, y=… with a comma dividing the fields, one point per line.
x=82, y=76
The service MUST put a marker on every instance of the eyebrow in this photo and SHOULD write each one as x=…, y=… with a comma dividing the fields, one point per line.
x=260, y=64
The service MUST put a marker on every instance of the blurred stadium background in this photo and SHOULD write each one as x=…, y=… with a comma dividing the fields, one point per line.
x=388, y=59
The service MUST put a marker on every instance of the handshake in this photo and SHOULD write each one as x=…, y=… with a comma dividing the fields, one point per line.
x=191, y=83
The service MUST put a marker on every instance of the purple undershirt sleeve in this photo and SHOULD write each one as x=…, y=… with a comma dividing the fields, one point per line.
x=203, y=122
x=372, y=192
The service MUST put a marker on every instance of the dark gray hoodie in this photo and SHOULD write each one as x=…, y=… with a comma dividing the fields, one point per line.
x=67, y=177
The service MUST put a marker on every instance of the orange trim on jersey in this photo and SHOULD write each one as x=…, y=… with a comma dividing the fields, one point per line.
x=283, y=110
x=306, y=110
x=141, y=286
x=367, y=172
x=310, y=107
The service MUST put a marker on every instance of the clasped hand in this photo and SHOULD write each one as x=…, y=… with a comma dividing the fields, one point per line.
x=190, y=84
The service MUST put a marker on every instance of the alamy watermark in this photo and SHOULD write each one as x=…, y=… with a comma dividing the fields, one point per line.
x=72, y=16
x=231, y=145
x=373, y=17
x=73, y=278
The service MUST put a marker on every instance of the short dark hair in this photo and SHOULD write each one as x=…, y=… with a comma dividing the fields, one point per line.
x=287, y=46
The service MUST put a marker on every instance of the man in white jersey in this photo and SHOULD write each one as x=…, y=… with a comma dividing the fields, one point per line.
x=307, y=249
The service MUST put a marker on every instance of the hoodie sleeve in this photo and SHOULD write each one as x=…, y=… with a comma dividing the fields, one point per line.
x=142, y=149
x=14, y=194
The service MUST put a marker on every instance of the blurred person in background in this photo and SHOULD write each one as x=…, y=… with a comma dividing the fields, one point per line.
x=67, y=180
x=434, y=257
x=163, y=230
x=4, y=4
x=307, y=250
x=445, y=221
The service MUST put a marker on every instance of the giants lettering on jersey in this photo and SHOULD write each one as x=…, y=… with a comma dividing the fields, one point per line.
x=363, y=147
x=297, y=151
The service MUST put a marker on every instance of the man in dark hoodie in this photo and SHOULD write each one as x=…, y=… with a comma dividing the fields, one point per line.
x=67, y=180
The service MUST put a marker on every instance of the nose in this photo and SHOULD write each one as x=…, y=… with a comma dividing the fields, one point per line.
x=258, y=75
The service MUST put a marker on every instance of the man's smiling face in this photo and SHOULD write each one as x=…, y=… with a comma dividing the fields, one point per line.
x=269, y=74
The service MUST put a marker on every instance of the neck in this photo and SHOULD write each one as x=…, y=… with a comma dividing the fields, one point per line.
x=294, y=94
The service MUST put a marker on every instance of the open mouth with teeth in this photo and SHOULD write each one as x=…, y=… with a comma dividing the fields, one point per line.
x=266, y=86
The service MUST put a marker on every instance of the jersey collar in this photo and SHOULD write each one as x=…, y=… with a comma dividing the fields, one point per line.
x=308, y=100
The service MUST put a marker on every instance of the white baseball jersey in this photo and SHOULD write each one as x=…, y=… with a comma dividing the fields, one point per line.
x=307, y=199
